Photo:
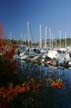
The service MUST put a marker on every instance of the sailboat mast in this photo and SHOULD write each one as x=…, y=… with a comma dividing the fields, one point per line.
x=52, y=39
x=65, y=40
x=21, y=39
x=28, y=32
x=10, y=36
x=50, y=36
x=40, y=37
x=60, y=38
x=45, y=36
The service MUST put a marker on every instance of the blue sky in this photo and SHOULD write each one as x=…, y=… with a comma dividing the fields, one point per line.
x=55, y=14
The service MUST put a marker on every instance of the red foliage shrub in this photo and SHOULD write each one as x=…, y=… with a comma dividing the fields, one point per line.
x=58, y=85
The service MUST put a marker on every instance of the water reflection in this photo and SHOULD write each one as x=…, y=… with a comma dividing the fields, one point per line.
x=57, y=98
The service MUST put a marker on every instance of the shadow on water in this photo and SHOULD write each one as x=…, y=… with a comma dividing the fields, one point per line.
x=50, y=97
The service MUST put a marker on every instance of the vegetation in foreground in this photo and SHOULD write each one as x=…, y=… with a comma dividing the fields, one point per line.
x=15, y=92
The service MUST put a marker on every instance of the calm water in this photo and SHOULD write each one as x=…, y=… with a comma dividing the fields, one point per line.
x=51, y=97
